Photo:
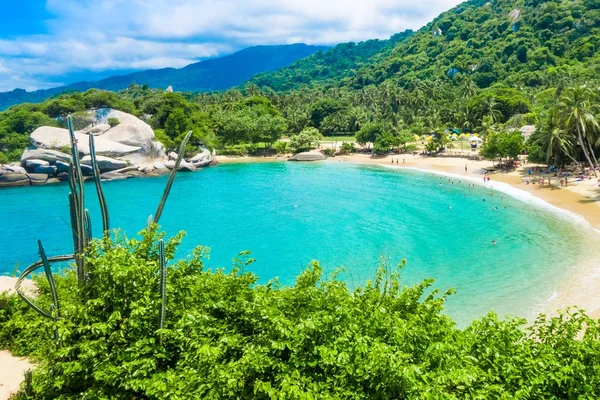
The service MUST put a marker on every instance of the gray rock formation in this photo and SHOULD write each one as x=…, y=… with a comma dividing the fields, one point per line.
x=13, y=168
x=105, y=164
x=170, y=164
x=173, y=156
x=201, y=156
x=37, y=179
x=47, y=137
x=131, y=131
x=13, y=179
x=33, y=164
x=186, y=167
x=45, y=169
x=45, y=154
x=308, y=156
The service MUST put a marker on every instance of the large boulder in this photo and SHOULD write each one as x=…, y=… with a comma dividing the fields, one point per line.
x=173, y=156
x=186, y=167
x=308, y=156
x=32, y=164
x=45, y=169
x=130, y=131
x=13, y=179
x=47, y=137
x=37, y=179
x=61, y=166
x=105, y=163
x=12, y=168
x=201, y=156
x=45, y=154
x=203, y=163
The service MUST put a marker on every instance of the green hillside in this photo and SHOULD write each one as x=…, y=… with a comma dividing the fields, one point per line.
x=328, y=67
x=516, y=42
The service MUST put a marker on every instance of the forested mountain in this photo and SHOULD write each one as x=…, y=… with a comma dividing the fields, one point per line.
x=209, y=75
x=516, y=42
x=328, y=67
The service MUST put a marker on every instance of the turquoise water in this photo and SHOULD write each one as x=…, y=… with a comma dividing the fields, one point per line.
x=343, y=215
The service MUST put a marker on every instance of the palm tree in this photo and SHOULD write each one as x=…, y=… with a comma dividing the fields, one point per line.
x=578, y=112
x=553, y=139
x=468, y=89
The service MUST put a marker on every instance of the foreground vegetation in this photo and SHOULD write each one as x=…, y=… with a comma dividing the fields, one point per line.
x=225, y=336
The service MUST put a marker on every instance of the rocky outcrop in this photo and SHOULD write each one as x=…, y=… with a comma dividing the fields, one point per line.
x=31, y=164
x=123, y=149
x=13, y=179
x=105, y=164
x=132, y=131
x=308, y=156
x=45, y=154
x=47, y=137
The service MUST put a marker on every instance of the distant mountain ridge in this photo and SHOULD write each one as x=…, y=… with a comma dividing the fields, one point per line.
x=210, y=75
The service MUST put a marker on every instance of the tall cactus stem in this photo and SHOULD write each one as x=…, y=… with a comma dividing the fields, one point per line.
x=99, y=191
x=161, y=205
x=50, y=278
x=163, y=283
x=88, y=226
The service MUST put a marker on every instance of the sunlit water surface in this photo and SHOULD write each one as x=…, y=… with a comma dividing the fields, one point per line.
x=353, y=216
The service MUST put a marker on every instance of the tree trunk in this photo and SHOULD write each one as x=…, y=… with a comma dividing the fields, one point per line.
x=593, y=156
x=585, y=151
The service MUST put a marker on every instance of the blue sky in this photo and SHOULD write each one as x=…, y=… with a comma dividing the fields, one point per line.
x=46, y=43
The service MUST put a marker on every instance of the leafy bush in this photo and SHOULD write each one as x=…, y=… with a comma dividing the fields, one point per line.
x=347, y=148
x=3, y=158
x=281, y=147
x=113, y=121
x=409, y=148
x=235, y=150
x=225, y=336
x=328, y=151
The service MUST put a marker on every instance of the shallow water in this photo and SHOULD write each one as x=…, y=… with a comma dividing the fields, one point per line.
x=343, y=215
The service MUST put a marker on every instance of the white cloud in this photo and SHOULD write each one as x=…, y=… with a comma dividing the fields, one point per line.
x=98, y=35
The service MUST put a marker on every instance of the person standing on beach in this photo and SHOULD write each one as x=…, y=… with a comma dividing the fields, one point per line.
x=465, y=168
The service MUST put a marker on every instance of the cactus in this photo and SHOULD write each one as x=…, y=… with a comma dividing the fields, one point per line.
x=101, y=198
x=87, y=225
x=28, y=382
x=163, y=282
x=81, y=226
x=33, y=267
x=161, y=205
x=48, y=273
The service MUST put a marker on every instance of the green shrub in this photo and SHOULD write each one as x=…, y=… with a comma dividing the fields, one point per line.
x=281, y=147
x=3, y=158
x=328, y=151
x=347, y=148
x=409, y=148
x=113, y=122
x=226, y=336
x=235, y=150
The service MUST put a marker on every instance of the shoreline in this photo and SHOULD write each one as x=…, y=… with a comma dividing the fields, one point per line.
x=581, y=199
x=579, y=203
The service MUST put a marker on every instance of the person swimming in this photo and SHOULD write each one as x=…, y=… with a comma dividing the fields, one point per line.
x=493, y=242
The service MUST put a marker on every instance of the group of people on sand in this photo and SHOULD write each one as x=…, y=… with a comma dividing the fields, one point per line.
x=397, y=160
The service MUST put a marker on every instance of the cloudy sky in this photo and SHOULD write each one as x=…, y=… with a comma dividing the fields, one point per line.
x=45, y=43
